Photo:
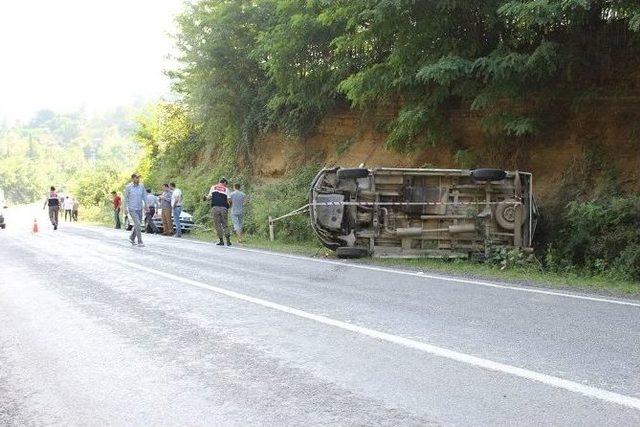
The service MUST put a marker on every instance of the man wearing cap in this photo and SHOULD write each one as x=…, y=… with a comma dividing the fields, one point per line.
x=135, y=202
x=219, y=196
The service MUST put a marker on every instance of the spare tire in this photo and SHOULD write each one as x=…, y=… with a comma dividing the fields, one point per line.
x=506, y=213
x=351, y=252
x=488, y=174
x=353, y=173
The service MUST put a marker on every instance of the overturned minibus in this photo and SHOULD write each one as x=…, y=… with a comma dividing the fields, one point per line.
x=398, y=212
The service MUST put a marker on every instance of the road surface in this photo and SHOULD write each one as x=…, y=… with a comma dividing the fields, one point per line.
x=94, y=331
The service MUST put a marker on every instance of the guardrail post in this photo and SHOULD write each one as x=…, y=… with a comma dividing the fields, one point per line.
x=271, y=234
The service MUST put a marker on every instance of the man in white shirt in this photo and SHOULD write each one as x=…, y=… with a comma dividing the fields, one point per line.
x=237, y=200
x=176, y=207
x=68, y=208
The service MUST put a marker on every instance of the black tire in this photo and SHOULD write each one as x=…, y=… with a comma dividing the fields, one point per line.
x=488, y=174
x=351, y=252
x=3, y=226
x=353, y=173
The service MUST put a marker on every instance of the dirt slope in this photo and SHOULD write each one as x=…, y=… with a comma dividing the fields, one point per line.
x=603, y=138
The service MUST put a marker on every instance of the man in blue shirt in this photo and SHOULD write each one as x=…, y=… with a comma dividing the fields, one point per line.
x=135, y=201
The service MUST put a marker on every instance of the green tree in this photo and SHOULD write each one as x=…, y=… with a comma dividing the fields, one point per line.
x=264, y=63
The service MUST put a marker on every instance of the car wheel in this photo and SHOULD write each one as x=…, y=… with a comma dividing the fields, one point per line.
x=353, y=173
x=351, y=252
x=488, y=174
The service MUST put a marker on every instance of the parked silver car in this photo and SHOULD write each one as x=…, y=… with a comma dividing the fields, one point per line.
x=186, y=221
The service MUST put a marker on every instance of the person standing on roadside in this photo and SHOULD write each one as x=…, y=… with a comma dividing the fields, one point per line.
x=176, y=207
x=53, y=202
x=152, y=205
x=68, y=208
x=165, y=206
x=237, y=200
x=135, y=201
x=117, y=204
x=74, y=212
x=219, y=196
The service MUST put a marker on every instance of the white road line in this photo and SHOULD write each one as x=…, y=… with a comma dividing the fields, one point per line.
x=434, y=276
x=468, y=359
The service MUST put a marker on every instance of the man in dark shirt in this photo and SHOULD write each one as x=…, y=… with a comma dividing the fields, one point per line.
x=54, y=207
x=74, y=212
x=219, y=196
x=117, y=204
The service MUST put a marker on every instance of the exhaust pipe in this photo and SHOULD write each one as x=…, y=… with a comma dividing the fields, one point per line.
x=418, y=231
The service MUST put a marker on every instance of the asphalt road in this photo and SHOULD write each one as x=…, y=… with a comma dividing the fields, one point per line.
x=94, y=331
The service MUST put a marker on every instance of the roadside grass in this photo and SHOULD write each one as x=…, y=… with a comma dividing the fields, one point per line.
x=525, y=276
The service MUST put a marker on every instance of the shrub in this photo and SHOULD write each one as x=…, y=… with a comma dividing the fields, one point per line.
x=599, y=237
x=514, y=258
x=276, y=199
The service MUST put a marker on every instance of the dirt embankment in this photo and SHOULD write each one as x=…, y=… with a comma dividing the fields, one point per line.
x=604, y=137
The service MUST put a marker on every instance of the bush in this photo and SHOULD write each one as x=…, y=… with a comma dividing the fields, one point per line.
x=279, y=198
x=599, y=237
x=627, y=265
x=101, y=214
x=514, y=258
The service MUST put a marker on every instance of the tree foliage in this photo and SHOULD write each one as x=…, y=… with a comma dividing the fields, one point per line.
x=258, y=64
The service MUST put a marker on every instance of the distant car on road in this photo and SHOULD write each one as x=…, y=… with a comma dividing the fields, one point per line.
x=398, y=212
x=186, y=221
x=2, y=207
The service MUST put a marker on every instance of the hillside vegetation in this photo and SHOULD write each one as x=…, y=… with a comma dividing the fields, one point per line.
x=78, y=154
x=255, y=65
x=250, y=69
